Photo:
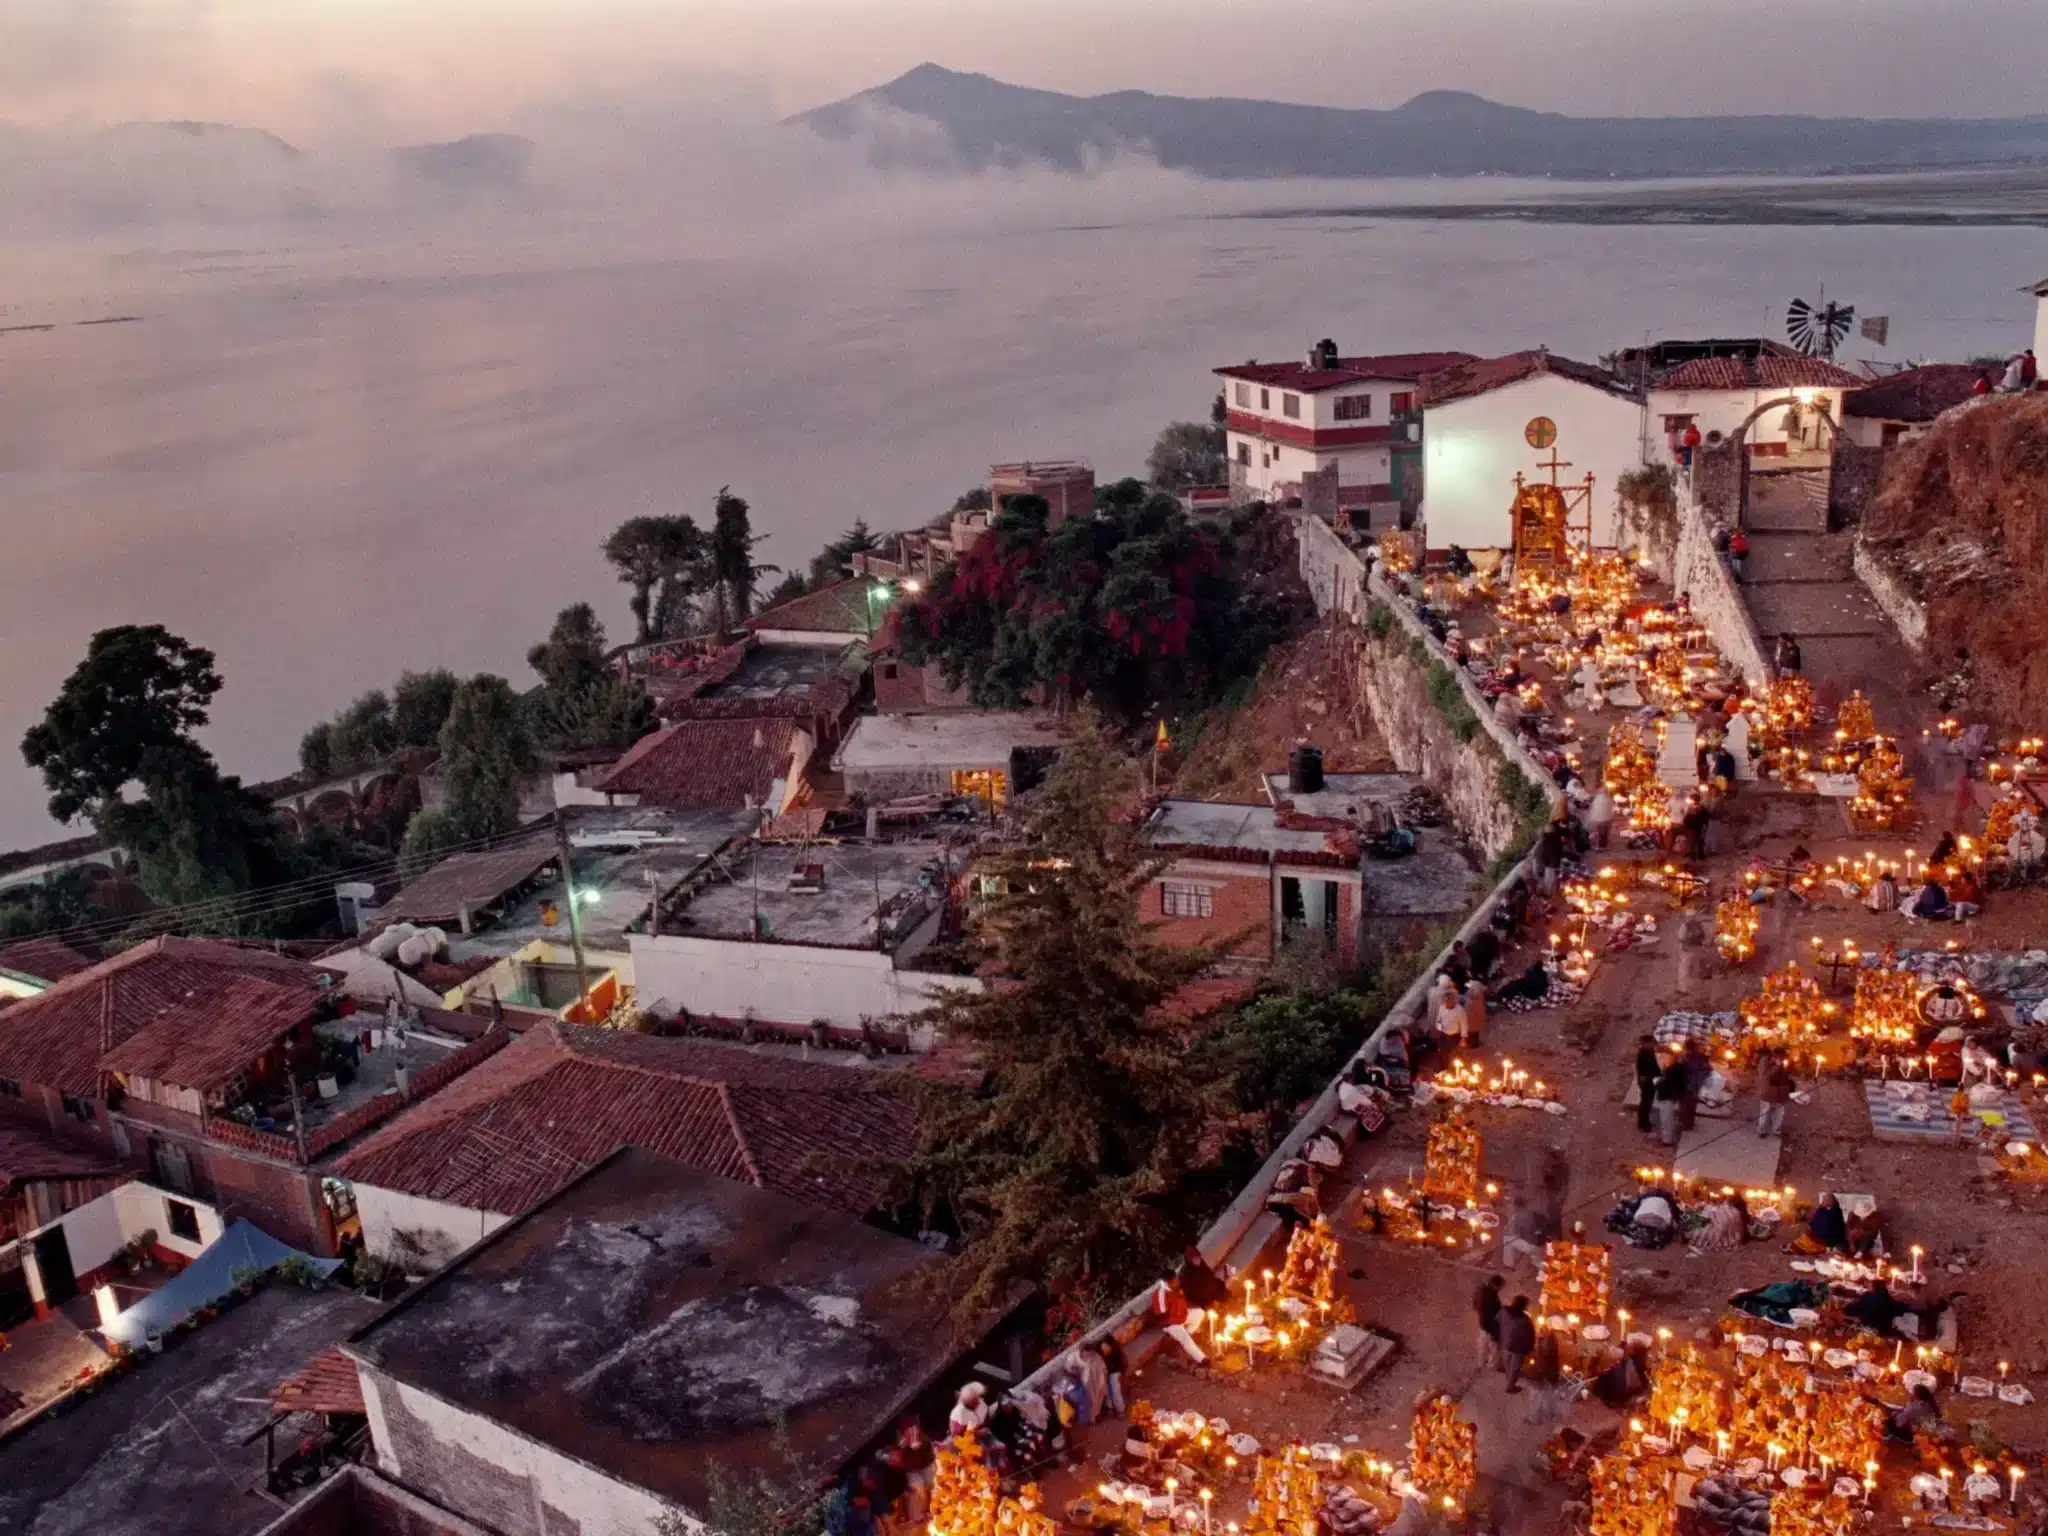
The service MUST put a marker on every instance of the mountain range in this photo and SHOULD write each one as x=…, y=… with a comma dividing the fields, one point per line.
x=940, y=119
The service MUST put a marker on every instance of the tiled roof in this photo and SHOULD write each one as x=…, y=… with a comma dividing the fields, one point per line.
x=32, y=1154
x=1775, y=366
x=1396, y=367
x=478, y=879
x=217, y=1030
x=850, y=608
x=46, y=959
x=561, y=1098
x=331, y=1384
x=1482, y=375
x=61, y=1038
x=705, y=765
x=1918, y=394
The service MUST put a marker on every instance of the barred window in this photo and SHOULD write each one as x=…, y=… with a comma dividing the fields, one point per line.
x=1354, y=408
x=9, y=1088
x=1177, y=899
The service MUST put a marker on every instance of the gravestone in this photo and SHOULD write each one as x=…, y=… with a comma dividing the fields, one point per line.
x=1678, y=764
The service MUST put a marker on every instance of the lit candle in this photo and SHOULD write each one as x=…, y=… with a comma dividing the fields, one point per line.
x=2014, y=1497
x=1173, y=1483
x=2003, y=1367
x=1207, y=1496
x=1916, y=1247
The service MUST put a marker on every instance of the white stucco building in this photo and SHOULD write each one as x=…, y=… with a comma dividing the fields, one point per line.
x=1486, y=421
x=1359, y=414
x=2040, y=292
x=1714, y=387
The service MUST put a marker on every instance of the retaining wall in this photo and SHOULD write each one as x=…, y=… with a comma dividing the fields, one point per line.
x=1894, y=601
x=1699, y=571
x=1338, y=578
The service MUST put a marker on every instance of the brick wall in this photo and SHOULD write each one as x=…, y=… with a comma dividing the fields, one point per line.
x=284, y=1201
x=1240, y=903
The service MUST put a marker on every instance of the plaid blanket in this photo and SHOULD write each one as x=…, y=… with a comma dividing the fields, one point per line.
x=1683, y=1026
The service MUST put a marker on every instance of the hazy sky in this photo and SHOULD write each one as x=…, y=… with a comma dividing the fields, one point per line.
x=393, y=67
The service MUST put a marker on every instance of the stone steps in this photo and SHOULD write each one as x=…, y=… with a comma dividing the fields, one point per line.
x=1800, y=557
x=1814, y=609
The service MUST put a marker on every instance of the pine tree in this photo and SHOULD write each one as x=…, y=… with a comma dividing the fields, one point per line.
x=1077, y=1159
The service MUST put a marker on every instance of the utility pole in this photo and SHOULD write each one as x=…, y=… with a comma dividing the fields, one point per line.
x=569, y=892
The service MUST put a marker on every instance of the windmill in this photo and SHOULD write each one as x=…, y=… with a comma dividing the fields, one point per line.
x=1817, y=329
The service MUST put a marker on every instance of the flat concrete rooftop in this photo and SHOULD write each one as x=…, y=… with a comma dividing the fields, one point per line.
x=621, y=855
x=959, y=739
x=1222, y=824
x=655, y=1321
x=906, y=880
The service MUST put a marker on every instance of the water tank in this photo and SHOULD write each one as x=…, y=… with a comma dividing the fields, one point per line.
x=1305, y=770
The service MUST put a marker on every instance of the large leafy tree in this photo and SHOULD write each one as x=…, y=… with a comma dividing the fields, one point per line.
x=487, y=754
x=1078, y=1158
x=1137, y=608
x=1187, y=453
x=128, y=710
x=662, y=560
x=571, y=659
x=581, y=702
x=733, y=571
x=116, y=746
x=419, y=705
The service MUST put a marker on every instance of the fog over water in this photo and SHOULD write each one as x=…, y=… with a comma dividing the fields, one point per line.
x=359, y=426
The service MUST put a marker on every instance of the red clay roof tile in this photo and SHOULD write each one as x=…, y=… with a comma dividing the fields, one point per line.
x=1482, y=375
x=705, y=765
x=560, y=1098
x=1394, y=367
x=61, y=1038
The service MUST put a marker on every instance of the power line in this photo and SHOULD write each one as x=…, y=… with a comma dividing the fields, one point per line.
x=267, y=899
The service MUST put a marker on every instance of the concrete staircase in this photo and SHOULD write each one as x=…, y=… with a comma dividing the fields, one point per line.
x=1801, y=581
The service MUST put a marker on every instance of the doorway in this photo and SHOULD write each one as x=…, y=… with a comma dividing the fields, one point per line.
x=53, y=1262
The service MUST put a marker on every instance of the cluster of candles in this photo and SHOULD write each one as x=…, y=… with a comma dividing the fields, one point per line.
x=1735, y=929
x=1884, y=795
x=1639, y=795
x=1473, y=1078
x=1408, y=1218
x=1788, y=1010
x=1682, y=1184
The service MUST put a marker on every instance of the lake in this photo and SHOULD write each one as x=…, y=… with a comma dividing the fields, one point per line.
x=332, y=456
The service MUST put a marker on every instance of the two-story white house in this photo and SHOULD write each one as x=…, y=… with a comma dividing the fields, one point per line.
x=1359, y=414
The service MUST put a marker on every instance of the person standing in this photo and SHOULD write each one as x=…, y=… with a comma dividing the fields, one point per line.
x=1517, y=1340
x=1488, y=1307
x=1670, y=1090
x=1738, y=554
x=1523, y=1233
x=1600, y=817
x=1648, y=1070
x=1775, y=1090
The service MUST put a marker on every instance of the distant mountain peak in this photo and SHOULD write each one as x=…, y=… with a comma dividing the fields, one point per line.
x=1452, y=104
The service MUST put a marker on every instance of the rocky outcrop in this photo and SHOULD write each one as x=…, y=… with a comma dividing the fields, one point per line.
x=1960, y=523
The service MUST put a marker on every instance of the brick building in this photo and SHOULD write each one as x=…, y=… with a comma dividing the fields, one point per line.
x=1255, y=878
x=184, y=1058
x=1067, y=485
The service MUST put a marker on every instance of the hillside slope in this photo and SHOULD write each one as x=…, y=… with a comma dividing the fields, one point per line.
x=982, y=122
x=1961, y=517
